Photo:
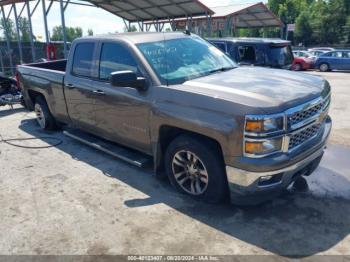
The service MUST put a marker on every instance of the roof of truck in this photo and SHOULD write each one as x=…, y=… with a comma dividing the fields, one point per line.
x=138, y=37
x=251, y=40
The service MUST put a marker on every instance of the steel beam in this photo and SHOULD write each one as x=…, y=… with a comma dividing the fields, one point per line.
x=7, y=39
x=30, y=31
x=19, y=42
x=47, y=36
x=63, y=29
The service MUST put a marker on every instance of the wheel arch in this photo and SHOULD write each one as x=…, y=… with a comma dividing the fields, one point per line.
x=168, y=133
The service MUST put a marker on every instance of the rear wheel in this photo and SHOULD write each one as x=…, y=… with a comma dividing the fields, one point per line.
x=43, y=115
x=298, y=67
x=195, y=168
x=324, y=67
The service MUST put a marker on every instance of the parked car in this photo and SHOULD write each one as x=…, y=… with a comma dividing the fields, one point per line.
x=264, y=52
x=335, y=60
x=211, y=126
x=317, y=53
x=301, y=64
x=327, y=49
x=305, y=54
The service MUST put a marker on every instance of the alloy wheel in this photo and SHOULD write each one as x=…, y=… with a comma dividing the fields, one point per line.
x=190, y=173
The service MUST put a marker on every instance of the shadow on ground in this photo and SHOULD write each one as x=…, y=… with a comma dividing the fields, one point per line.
x=292, y=225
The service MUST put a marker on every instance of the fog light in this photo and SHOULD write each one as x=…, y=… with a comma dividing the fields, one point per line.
x=270, y=180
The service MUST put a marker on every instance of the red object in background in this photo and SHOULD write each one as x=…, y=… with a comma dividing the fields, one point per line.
x=300, y=63
x=51, y=52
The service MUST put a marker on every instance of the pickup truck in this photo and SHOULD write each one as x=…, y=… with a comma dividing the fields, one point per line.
x=214, y=129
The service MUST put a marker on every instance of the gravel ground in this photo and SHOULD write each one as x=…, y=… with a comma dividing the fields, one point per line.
x=71, y=199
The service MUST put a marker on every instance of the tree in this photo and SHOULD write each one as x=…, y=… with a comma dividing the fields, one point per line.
x=90, y=32
x=10, y=27
x=24, y=30
x=132, y=28
x=71, y=33
x=303, y=30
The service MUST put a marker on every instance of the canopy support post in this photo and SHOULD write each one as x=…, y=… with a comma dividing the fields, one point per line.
x=62, y=7
x=19, y=42
x=30, y=30
x=7, y=39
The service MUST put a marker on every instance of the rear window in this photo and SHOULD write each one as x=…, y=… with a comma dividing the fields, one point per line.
x=247, y=54
x=83, y=59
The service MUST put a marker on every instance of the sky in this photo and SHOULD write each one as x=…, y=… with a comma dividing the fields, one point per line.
x=100, y=21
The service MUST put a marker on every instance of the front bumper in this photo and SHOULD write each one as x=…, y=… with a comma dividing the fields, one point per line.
x=248, y=187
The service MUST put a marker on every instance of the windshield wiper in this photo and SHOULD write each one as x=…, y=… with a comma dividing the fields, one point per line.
x=222, y=69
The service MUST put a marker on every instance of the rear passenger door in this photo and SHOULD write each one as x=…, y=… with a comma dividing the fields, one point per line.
x=346, y=58
x=78, y=85
x=122, y=113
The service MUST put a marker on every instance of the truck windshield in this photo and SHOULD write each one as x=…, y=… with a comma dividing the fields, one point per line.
x=178, y=60
x=281, y=56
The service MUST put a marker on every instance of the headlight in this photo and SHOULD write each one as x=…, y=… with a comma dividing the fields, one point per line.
x=263, y=146
x=262, y=124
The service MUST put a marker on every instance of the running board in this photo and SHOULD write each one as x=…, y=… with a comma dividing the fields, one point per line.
x=128, y=155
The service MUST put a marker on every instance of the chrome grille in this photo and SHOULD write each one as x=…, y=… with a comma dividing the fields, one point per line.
x=302, y=136
x=303, y=115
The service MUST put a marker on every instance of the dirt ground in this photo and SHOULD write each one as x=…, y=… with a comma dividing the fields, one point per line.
x=71, y=199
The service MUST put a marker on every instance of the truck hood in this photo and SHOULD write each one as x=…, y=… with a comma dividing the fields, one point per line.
x=258, y=87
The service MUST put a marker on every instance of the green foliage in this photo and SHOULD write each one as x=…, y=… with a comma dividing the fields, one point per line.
x=10, y=27
x=90, y=32
x=24, y=30
x=71, y=33
x=318, y=22
x=132, y=28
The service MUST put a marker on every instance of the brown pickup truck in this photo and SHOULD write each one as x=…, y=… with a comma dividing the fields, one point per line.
x=214, y=128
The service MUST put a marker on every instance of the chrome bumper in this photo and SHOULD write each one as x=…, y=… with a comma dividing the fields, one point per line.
x=243, y=182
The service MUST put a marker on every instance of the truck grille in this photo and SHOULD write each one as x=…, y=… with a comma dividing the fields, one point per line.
x=303, y=115
x=304, y=135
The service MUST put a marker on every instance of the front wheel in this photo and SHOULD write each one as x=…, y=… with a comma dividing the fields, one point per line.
x=195, y=168
x=324, y=67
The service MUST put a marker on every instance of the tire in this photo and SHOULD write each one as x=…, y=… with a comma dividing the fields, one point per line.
x=298, y=67
x=195, y=167
x=43, y=115
x=324, y=67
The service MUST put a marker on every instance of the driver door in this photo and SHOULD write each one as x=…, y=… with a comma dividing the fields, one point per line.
x=122, y=113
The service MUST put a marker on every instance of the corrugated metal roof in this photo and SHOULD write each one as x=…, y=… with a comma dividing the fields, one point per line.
x=151, y=10
x=8, y=2
x=248, y=15
x=244, y=15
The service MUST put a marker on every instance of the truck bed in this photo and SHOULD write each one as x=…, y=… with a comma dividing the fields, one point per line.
x=58, y=65
x=46, y=78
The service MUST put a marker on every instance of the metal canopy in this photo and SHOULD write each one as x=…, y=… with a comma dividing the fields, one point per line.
x=248, y=15
x=242, y=16
x=152, y=10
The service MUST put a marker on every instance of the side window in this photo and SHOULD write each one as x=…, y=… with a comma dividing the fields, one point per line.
x=221, y=46
x=247, y=54
x=115, y=57
x=337, y=54
x=83, y=59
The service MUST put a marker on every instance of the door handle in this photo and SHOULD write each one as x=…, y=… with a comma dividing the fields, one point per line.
x=70, y=86
x=99, y=92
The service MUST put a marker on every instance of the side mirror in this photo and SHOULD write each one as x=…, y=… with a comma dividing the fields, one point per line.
x=127, y=79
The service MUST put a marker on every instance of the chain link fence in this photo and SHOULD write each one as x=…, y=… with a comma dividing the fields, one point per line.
x=39, y=52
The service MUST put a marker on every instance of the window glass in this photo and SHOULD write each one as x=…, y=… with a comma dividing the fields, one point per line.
x=346, y=54
x=82, y=61
x=115, y=57
x=178, y=60
x=337, y=54
x=247, y=54
x=221, y=46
